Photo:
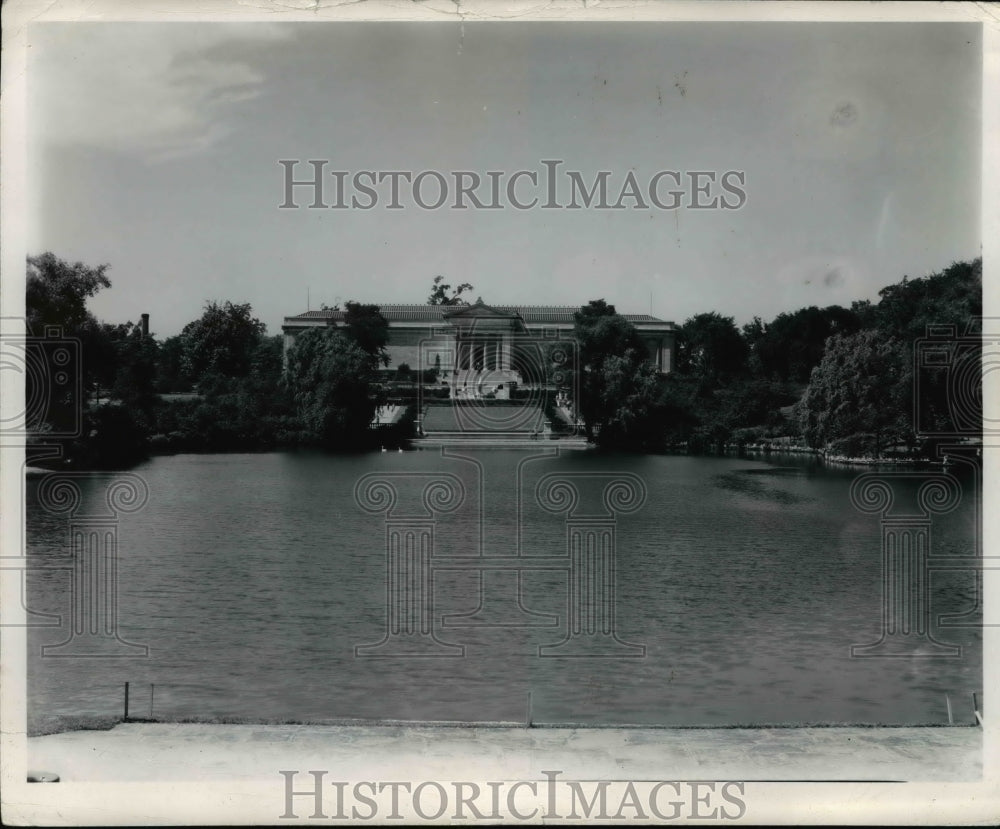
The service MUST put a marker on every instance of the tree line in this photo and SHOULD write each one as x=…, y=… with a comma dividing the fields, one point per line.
x=840, y=379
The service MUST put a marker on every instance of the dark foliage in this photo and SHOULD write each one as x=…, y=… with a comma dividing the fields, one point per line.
x=849, y=381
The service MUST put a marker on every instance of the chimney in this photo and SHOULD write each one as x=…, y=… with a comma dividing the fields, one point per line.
x=145, y=325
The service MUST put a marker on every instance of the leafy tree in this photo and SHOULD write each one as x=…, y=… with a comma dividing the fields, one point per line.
x=57, y=293
x=949, y=300
x=952, y=297
x=678, y=413
x=628, y=402
x=114, y=438
x=855, y=391
x=864, y=313
x=789, y=347
x=333, y=383
x=600, y=331
x=710, y=346
x=755, y=335
x=267, y=366
x=243, y=404
x=171, y=368
x=440, y=293
x=56, y=296
x=134, y=364
x=618, y=386
x=236, y=413
x=221, y=341
x=116, y=359
x=369, y=329
x=756, y=402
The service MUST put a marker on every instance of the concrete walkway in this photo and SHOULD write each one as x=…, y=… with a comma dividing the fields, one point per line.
x=201, y=752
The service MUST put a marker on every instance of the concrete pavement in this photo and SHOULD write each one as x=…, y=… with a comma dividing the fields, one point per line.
x=211, y=752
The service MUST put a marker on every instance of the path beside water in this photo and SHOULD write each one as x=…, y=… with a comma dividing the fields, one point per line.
x=210, y=752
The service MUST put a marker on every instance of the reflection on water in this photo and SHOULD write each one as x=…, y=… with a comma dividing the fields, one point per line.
x=748, y=482
x=252, y=578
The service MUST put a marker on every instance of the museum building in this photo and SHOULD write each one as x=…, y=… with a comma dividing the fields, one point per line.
x=481, y=347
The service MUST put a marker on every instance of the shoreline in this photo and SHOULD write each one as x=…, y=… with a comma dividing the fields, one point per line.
x=72, y=725
x=179, y=751
x=418, y=444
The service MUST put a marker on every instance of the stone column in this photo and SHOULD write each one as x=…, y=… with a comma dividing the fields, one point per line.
x=666, y=357
x=591, y=549
x=409, y=548
x=906, y=545
x=93, y=628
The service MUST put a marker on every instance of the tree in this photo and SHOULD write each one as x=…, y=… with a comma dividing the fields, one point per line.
x=171, y=369
x=133, y=381
x=440, y=296
x=854, y=394
x=233, y=413
x=114, y=439
x=790, y=346
x=115, y=358
x=369, y=329
x=628, y=402
x=864, y=313
x=755, y=336
x=948, y=301
x=221, y=341
x=57, y=293
x=952, y=297
x=710, y=346
x=267, y=367
x=600, y=331
x=617, y=384
x=334, y=386
x=677, y=412
x=56, y=296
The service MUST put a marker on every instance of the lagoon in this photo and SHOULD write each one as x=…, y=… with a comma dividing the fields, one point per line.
x=253, y=579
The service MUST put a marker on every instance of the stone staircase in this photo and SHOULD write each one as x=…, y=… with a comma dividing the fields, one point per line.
x=489, y=425
x=493, y=419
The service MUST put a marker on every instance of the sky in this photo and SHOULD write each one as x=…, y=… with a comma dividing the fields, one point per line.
x=155, y=147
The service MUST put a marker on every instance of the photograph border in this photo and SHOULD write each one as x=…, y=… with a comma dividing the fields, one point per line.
x=237, y=802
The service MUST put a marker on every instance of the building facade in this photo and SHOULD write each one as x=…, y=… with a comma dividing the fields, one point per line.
x=481, y=349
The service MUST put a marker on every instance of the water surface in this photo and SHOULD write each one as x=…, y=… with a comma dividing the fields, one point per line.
x=252, y=578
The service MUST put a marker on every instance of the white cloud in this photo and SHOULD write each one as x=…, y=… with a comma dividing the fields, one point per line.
x=158, y=91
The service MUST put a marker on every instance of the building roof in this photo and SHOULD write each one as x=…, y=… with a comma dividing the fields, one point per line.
x=436, y=314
